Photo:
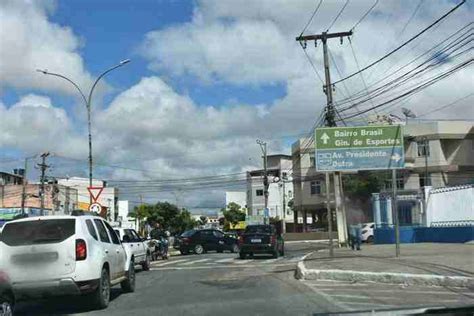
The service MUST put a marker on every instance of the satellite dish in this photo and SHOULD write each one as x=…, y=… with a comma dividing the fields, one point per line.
x=408, y=113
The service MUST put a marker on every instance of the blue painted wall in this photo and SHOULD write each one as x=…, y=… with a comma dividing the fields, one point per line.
x=409, y=234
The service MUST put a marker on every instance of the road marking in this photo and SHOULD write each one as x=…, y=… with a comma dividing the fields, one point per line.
x=368, y=304
x=374, y=290
x=243, y=261
x=272, y=260
x=194, y=261
x=225, y=260
x=170, y=262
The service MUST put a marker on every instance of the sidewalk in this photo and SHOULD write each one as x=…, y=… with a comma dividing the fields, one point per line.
x=424, y=263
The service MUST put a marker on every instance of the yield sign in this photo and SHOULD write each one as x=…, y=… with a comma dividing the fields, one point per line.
x=95, y=192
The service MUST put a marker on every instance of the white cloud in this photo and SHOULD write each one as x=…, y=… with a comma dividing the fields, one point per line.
x=33, y=125
x=28, y=41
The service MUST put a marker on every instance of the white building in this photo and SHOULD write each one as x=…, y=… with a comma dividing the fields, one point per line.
x=280, y=189
x=108, y=198
x=122, y=215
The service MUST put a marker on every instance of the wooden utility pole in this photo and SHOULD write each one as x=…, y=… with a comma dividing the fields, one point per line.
x=43, y=166
x=331, y=122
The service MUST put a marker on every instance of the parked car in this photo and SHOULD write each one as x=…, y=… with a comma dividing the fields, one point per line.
x=7, y=299
x=136, y=245
x=259, y=239
x=66, y=255
x=200, y=241
x=367, y=233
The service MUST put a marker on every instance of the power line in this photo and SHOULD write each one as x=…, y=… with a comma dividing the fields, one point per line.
x=410, y=19
x=447, y=105
x=338, y=15
x=405, y=43
x=442, y=42
x=365, y=15
x=418, y=88
x=413, y=73
x=312, y=16
x=312, y=64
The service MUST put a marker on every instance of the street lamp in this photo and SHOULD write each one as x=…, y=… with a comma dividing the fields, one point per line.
x=87, y=102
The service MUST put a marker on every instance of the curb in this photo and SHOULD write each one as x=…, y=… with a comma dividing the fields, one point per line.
x=307, y=241
x=302, y=273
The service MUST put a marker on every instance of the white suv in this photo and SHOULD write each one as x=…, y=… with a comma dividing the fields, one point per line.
x=136, y=246
x=65, y=255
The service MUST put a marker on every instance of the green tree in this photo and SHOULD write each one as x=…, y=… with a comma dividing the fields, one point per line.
x=233, y=214
x=165, y=213
x=363, y=184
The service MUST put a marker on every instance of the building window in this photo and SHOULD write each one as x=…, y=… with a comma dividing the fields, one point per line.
x=423, y=148
x=400, y=183
x=315, y=187
x=425, y=181
x=290, y=194
x=259, y=192
x=312, y=160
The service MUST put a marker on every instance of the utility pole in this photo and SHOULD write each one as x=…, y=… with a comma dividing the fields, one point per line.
x=23, y=190
x=43, y=166
x=263, y=147
x=331, y=122
x=395, y=212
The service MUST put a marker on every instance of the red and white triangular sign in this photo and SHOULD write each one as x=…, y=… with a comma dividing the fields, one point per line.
x=95, y=192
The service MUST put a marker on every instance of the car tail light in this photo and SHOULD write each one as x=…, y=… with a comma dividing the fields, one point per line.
x=241, y=240
x=274, y=239
x=81, y=250
x=185, y=240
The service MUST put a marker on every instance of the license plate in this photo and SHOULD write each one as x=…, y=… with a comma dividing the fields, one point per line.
x=256, y=240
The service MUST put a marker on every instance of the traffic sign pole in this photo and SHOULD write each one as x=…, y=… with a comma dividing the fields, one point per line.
x=328, y=208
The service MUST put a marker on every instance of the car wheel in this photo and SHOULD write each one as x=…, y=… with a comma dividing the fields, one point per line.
x=219, y=251
x=146, y=264
x=198, y=249
x=101, y=296
x=128, y=285
x=370, y=240
x=6, y=305
x=242, y=255
x=235, y=248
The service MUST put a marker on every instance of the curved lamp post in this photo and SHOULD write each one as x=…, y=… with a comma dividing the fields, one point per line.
x=87, y=102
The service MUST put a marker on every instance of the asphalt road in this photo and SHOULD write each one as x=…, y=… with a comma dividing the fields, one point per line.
x=222, y=284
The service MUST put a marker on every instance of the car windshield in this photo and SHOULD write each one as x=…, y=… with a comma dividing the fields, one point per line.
x=37, y=232
x=260, y=157
x=188, y=233
x=258, y=229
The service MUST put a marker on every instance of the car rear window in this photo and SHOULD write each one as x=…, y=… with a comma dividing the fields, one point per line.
x=259, y=229
x=188, y=233
x=38, y=232
x=104, y=237
x=91, y=229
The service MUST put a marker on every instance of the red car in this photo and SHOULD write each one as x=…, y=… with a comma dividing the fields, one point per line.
x=7, y=299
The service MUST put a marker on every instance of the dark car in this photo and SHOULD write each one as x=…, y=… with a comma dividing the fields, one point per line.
x=199, y=241
x=258, y=239
x=7, y=299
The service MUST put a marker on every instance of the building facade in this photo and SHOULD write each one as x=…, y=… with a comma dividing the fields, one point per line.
x=108, y=199
x=437, y=154
x=14, y=178
x=280, y=189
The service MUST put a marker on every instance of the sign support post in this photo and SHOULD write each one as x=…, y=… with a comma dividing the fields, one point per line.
x=328, y=208
x=395, y=212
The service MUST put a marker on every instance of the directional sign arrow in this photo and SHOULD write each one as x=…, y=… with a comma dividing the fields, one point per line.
x=325, y=138
x=396, y=157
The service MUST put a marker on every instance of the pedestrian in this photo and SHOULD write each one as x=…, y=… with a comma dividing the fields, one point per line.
x=355, y=232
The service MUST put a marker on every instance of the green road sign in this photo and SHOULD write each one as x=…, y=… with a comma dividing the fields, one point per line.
x=359, y=148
